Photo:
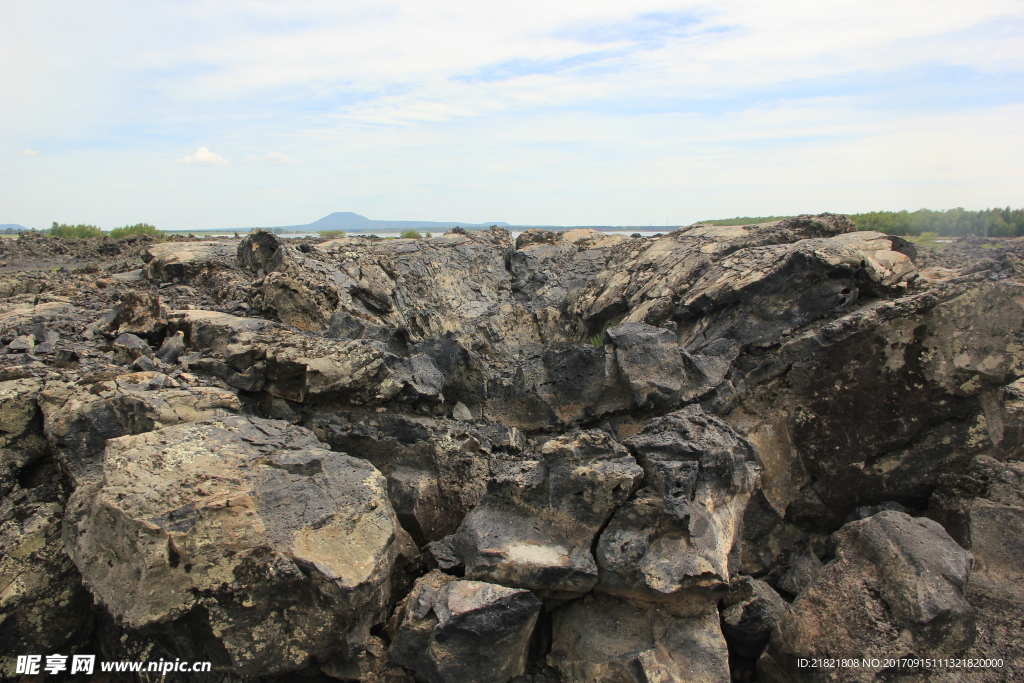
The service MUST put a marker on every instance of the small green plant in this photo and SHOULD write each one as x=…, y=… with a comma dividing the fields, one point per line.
x=597, y=341
x=137, y=229
x=411, y=235
x=63, y=230
x=332, y=234
x=428, y=235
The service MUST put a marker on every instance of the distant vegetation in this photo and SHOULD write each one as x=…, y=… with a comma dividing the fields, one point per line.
x=332, y=234
x=137, y=229
x=80, y=230
x=413, y=235
x=952, y=223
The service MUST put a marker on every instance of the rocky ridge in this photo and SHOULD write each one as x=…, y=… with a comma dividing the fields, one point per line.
x=566, y=456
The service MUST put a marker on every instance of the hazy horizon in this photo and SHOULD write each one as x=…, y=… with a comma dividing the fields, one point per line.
x=198, y=115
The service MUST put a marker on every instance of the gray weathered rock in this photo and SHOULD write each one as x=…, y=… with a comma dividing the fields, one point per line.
x=749, y=613
x=645, y=281
x=43, y=606
x=287, y=547
x=454, y=631
x=910, y=379
x=650, y=359
x=896, y=587
x=128, y=347
x=172, y=348
x=80, y=419
x=800, y=573
x=860, y=374
x=983, y=509
x=536, y=525
x=21, y=443
x=139, y=313
x=603, y=638
x=680, y=534
x=437, y=469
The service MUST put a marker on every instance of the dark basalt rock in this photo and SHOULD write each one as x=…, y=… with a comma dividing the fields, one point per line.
x=537, y=524
x=679, y=536
x=611, y=451
x=287, y=547
x=454, y=631
x=749, y=613
x=896, y=587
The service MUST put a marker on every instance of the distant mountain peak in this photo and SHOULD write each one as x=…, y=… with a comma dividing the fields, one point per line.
x=347, y=220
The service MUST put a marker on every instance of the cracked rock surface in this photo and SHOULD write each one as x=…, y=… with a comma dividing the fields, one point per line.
x=558, y=456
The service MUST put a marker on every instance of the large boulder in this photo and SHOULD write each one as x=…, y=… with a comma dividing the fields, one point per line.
x=983, y=509
x=139, y=313
x=917, y=386
x=454, y=631
x=188, y=262
x=645, y=282
x=603, y=638
x=749, y=613
x=895, y=588
x=680, y=534
x=43, y=606
x=21, y=439
x=757, y=295
x=651, y=362
x=253, y=354
x=81, y=417
x=280, y=550
x=437, y=469
x=536, y=526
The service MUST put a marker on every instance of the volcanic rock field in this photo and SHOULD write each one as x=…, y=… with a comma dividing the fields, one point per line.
x=721, y=454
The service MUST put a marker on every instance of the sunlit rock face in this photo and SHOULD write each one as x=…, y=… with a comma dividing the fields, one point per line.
x=287, y=547
x=566, y=456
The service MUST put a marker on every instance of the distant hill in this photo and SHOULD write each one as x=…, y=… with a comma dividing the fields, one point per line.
x=353, y=222
x=12, y=227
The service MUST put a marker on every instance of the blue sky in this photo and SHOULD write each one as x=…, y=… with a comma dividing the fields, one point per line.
x=198, y=114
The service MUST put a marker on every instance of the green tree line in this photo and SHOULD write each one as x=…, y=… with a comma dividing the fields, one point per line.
x=82, y=230
x=952, y=223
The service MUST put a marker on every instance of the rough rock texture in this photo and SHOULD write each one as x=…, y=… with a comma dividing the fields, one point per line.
x=895, y=589
x=603, y=638
x=749, y=614
x=21, y=443
x=79, y=419
x=537, y=524
x=648, y=435
x=286, y=548
x=680, y=533
x=983, y=508
x=454, y=631
x=437, y=469
x=43, y=606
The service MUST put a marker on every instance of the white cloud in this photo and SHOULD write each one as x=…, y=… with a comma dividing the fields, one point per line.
x=272, y=158
x=203, y=157
x=30, y=152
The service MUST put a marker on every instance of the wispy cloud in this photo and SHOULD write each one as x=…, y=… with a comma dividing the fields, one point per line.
x=203, y=157
x=30, y=152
